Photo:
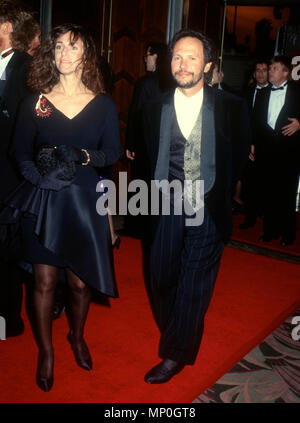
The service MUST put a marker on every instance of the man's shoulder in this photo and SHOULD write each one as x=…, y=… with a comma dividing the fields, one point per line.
x=29, y=101
x=18, y=65
x=20, y=58
x=225, y=96
x=249, y=91
x=294, y=86
x=149, y=79
x=158, y=102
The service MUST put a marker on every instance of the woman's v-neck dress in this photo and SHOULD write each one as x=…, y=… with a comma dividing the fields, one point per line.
x=63, y=228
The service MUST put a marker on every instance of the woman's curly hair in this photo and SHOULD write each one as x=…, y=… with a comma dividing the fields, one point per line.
x=43, y=74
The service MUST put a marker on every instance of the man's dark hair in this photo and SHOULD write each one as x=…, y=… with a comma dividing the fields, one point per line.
x=260, y=62
x=157, y=48
x=25, y=34
x=15, y=13
x=162, y=64
x=284, y=61
x=209, y=49
x=161, y=49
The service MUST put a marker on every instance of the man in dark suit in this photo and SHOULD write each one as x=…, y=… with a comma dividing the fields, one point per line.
x=196, y=133
x=149, y=87
x=13, y=66
x=251, y=178
x=277, y=117
x=260, y=76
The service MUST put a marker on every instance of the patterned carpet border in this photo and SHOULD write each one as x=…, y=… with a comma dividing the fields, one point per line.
x=270, y=373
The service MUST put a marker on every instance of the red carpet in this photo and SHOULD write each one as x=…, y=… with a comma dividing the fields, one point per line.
x=253, y=295
x=251, y=236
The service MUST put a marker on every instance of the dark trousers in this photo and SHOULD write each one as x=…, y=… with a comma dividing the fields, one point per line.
x=10, y=291
x=184, y=266
x=252, y=191
x=280, y=189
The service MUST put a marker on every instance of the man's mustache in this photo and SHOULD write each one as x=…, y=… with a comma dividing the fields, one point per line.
x=190, y=73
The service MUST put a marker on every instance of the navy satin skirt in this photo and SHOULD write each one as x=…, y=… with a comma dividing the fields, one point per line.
x=63, y=229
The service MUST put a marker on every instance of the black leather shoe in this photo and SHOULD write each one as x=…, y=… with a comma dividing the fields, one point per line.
x=81, y=353
x=163, y=371
x=237, y=207
x=286, y=241
x=14, y=327
x=44, y=383
x=246, y=225
x=267, y=238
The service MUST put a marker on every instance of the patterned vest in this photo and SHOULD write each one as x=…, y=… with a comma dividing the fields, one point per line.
x=185, y=155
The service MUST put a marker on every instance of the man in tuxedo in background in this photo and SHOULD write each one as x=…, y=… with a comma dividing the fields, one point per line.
x=149, y=87
x=13, y=68
x=195, y=133
x=251, y=178
x=277, y=116
x=260, y=76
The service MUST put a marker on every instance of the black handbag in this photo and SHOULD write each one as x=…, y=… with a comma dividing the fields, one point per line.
x=46, y=161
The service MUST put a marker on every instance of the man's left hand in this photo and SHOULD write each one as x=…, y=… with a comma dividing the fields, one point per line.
x=252, y=153
x=291, y=128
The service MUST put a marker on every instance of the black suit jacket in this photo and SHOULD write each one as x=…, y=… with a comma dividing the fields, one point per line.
x=272, y=141
x=226, y=126
x=14, y=91
x=250, y=93
x=146, y=89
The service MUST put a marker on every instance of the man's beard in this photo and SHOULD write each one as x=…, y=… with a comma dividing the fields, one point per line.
x=191, y=83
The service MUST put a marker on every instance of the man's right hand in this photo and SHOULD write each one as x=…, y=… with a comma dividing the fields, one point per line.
x=130, y=155
x=252, y=153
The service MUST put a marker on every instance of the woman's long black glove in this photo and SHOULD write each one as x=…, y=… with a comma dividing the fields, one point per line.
x=68, y=153
x=49, y=181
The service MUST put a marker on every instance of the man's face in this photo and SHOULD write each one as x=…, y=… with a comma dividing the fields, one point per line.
x=277, y=74
x=261, y=74
x=34, y=45
x=188, y=63
x=5, y=35
x=150, y=60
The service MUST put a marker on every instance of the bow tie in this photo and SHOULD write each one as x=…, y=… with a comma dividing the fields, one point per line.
x=7, y=53
x=279, y=88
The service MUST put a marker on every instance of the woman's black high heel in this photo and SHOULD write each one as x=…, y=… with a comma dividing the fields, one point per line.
x=44, y=383
x=117, y=242
x=83, y=362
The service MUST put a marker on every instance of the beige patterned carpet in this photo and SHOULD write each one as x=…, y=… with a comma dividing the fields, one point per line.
x=270, y=373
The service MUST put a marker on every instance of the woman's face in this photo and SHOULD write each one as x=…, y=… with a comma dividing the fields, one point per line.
x=68, y=54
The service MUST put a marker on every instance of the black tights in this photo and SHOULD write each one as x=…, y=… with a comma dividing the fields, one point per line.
x=46, y=277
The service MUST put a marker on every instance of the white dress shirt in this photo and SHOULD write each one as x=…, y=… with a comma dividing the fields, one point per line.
x=187, y=110
x=276, y=101
x=4, y=62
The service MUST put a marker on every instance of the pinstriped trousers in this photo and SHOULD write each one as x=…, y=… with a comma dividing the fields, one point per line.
x=184, y=266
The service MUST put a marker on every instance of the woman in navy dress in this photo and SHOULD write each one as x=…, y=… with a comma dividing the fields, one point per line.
x=65, y=134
